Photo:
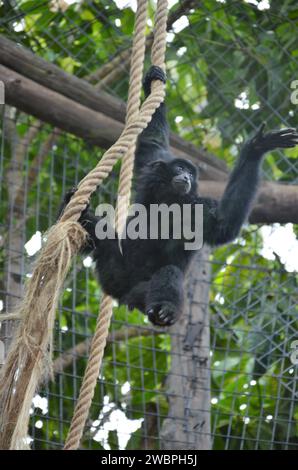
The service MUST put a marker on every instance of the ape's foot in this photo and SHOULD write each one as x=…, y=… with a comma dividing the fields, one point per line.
x=163, y=314
x=69, y=194
x=67, y=197
x=284, y=138
x=154, y=73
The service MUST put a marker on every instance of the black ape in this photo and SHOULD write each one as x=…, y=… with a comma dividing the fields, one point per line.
x=149, y=273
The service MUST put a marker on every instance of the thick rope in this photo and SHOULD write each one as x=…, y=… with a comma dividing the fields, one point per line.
x=33, y=337
x=91, y=375
x=106, y=310
x=30, y=357
x=134, y=96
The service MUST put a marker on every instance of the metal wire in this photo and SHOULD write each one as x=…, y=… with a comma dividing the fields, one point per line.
x=253, y=305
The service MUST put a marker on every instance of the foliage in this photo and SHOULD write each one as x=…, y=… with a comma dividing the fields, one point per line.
x=225, y=51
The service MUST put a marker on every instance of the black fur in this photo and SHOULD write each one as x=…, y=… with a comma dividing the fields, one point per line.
x=149, y=275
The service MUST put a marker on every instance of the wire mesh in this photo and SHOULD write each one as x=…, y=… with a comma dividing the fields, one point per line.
x=230, y=65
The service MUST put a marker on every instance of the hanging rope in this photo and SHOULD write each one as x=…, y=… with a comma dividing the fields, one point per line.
x=29, y=359
x=133, y=105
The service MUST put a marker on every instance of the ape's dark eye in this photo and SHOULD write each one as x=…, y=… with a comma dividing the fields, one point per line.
x=180, y=168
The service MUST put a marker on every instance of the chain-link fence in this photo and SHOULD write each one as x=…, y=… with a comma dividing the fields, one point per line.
x=230, y=66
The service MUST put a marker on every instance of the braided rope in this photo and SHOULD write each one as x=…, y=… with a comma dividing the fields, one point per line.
x=133, y=115
x=29, y=359
x=91, y=375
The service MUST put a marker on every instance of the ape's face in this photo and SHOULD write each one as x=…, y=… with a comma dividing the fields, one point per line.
x=183, y=176
x=176, y=177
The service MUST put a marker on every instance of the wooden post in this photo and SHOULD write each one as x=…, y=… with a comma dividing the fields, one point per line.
x=187, y=426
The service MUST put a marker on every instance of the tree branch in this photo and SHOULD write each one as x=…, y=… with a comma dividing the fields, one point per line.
x=73, y=117
x=25, y=63
x=81, y=349
x=276, y=202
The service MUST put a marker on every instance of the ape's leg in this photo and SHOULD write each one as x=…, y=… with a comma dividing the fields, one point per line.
x=136, y=297
x=110, y=268
x=67, y=197
x=153, y=143
x=164, y=300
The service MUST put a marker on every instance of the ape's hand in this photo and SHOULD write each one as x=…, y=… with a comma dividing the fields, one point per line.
x=284, y=138
x=67, y=197
x=154, y=73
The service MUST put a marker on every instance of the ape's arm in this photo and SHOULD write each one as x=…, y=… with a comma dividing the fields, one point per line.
x=223, y=220
x=153, y=143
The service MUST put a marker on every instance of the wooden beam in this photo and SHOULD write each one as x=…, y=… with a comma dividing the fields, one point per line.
x=73, y=117
x=23, y=61
x=275, y=203
x=58, y=110
x=29, y=65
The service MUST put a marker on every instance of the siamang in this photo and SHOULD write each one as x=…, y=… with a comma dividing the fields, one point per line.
x=148, y=274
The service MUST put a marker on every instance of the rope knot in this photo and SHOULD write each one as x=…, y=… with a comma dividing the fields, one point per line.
x=67, y=236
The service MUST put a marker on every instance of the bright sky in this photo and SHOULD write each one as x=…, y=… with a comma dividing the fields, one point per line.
x=260, y=4
x=132, y=3
x=117, y=421
x=282, y=241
